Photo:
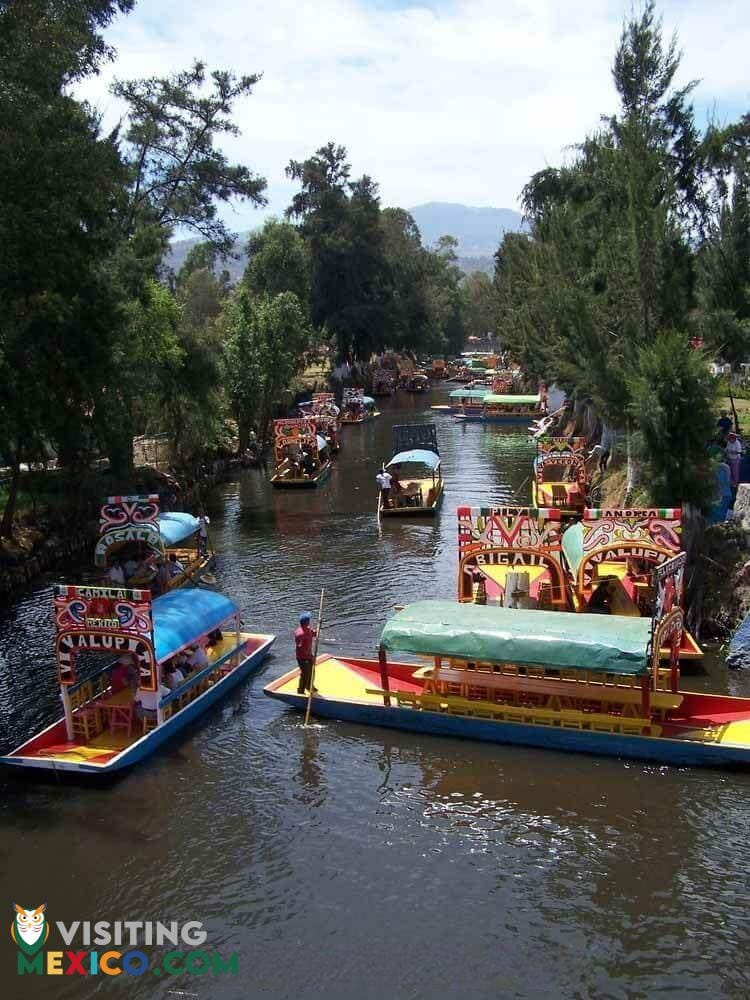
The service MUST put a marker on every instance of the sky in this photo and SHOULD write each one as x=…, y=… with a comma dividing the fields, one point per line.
x=438, y=100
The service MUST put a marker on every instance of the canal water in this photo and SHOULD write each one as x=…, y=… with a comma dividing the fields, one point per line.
x=339, y=861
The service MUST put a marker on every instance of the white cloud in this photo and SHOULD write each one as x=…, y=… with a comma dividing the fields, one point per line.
x=446, y=101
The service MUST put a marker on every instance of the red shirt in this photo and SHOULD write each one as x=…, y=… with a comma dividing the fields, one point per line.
x=303, y=642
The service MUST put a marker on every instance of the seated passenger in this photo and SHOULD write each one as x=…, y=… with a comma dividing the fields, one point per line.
x=175, y=566
x=130, y=567
x=214, y=638
x=173, y=676
x=197, y=658
x=146, y=702
x=124, y=675
x=115, y=573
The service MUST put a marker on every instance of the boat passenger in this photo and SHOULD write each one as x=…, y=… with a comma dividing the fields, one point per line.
x=163, y=576
x=173, y=676
x=478, y=587
x=124, y=675
x=147, y=702
x=115, y=573
x=130, y=567
x=214, y=638
x=203, y=523
x=396, y=483
x=197, y=658
x=175, y=566
x=304, y=637
x=384, y=479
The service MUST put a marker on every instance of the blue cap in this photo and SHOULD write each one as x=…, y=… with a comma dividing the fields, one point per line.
x=305, y=617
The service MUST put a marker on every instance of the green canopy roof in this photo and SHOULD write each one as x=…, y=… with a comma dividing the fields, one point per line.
x=530, y=400
x=468, y=394
x=554, y=639
x=572, y=546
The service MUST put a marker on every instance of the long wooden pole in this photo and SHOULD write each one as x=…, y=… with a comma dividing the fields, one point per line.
x=315, y=657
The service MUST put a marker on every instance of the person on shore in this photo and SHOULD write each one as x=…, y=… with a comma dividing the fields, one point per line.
x=724, y=423
x=116, y=574
x=734, y=457
x=383, y=480
x=304, y=638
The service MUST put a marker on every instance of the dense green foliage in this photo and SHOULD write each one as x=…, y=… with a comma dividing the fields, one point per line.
x=637, y=244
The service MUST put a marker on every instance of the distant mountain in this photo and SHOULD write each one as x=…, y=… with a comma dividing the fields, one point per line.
x=478, y=231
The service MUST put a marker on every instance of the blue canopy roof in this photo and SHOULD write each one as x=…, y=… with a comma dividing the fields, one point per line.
x=176, y=526
x=184, y=615
x=418, y=456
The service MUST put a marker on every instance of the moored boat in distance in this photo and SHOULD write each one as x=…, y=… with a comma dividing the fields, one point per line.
x=417, y=382
x=560, y=478
x=504, y=409
x=119, y=712
x=383, y=382
x=301, y=455
x=357, y=408
x=552, y=680
x=136, y=540
x=415, y=471
x=327, y=418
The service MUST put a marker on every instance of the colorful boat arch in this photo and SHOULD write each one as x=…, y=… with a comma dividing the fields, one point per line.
x=493, y=541
x=651, y=535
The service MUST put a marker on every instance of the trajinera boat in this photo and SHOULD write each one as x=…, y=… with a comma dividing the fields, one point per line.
x=326, y=414
x=560, y=479
x=119, y=711
x=136, y=540
x=530, y=558
x=554, y=680
x=301, y=455
x=417, y=383
x=356, y=408
x=383, y=382
x=610, y=556
x=504, y=409
x=416, y=478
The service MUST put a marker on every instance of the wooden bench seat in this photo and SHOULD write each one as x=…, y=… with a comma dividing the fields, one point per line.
x=613, y=694
x=565, y=718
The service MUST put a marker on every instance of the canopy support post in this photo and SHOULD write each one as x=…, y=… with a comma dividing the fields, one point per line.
x=236, y=657
x=68, y=710
x=646, y=696
x=384, y=683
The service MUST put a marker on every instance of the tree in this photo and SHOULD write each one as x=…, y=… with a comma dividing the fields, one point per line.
x=267, y=338
x=278, y=261
x=176, y=174
x=60, y=187
x=340, y=222
x=672, y=397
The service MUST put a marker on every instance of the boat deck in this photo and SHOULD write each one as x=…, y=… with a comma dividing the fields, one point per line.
x=105, y=744
x=704, y=719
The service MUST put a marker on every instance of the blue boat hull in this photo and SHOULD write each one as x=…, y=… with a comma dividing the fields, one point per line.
x=657, y=749
x=155, y=738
